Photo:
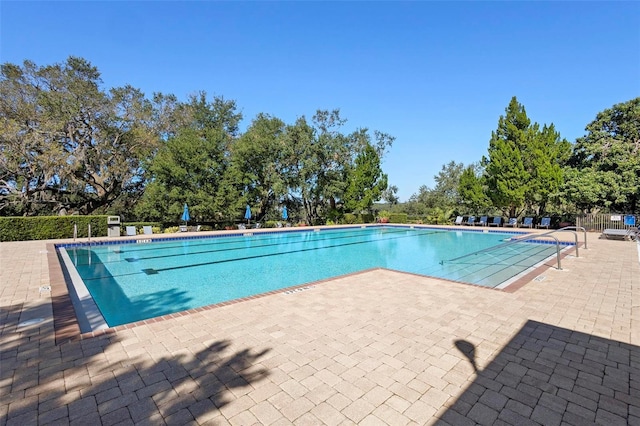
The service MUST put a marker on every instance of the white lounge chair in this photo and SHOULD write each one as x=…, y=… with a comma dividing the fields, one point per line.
x=131, y=230
x=513, y=222
x=459, y=220
x=527, y=222
x=545, y=223
x=147, y=230
x=620, y=234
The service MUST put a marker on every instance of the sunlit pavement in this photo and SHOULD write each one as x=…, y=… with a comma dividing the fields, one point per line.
x=373, y=348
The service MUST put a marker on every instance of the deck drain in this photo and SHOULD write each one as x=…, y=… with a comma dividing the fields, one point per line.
x=31, y=322
x=540, y=278
x=298, y=290
x=44, y=288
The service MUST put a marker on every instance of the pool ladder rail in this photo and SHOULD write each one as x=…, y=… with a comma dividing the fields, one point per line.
x=533, y=236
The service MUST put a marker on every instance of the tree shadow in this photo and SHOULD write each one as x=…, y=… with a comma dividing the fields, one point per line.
x=551, y=375
x=468, y=349
x=95, y=380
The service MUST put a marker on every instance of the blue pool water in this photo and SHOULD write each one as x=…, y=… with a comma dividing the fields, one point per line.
x=131, y=282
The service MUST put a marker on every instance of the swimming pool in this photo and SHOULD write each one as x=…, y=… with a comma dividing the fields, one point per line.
x=135, y=281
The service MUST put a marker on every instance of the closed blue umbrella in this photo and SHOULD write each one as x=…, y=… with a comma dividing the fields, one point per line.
x=285, y=214
x=185, y=214
x=247, y=213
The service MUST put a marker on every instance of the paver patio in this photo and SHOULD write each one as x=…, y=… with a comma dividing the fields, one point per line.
x=378, y=347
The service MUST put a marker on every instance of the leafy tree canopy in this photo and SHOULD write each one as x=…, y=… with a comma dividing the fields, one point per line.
x=67, y=144
x=605, y=164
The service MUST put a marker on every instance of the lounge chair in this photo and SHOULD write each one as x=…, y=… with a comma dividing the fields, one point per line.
x=544, y=223
x=470, y=221
x=527, y=222
x=497, y=221
x=621, y=234
x=147, y=230
x=241, y=226
x=483, y=221
x=513, y=222
x=131, y=230
x=459, y=220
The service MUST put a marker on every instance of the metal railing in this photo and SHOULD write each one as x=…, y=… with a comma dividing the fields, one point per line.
x=533, y=236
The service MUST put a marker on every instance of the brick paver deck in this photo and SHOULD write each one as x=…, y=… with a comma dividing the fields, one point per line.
x=373, y=348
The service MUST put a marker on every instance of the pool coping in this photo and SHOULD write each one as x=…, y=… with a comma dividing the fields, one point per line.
x=67, y=325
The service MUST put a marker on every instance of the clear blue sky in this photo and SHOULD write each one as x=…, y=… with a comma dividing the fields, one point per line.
x=436, y=75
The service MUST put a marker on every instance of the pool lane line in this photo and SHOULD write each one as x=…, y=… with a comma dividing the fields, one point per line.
x=244, y=247
x=153, y=271
x=256, y=246
x=195, y=265
x=464, y=267
x=235, y=239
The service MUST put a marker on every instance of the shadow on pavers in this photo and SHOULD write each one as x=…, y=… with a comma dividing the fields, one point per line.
x=94, y=381
x=550, y=375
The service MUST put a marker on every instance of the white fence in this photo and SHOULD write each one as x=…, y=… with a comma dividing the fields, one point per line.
x=599, y=222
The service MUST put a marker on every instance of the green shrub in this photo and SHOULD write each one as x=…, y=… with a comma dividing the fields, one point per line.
x=350, y=218
x=398, y=218
x=50, y=227
x=334, y=215
x=366, y=218
x=384, y=214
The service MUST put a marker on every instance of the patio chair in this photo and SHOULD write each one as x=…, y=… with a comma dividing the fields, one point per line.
x=497, y=221
x=459, y=220
x=544, y=223
x=131, y=230
x=242, y=226
x=470, y=221
x=513, y=222
x=147, y=230
x=527, y=222
x=483, y=221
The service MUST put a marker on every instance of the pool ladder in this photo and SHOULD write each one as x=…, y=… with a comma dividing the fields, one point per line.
x=534, y=236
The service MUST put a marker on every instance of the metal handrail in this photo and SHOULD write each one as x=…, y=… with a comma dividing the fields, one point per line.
x=569, y=228
x=530, y=236
x=566, y=228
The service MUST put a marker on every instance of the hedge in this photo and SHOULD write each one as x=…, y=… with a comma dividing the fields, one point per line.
x=367, y=218
x=50, y=227
x=398, y=218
